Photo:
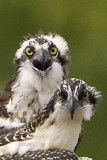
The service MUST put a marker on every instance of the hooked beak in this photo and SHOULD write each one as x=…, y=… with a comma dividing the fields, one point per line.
x=42, y=62
x=72, y=105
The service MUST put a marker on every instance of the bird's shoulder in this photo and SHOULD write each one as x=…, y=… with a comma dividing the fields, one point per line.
x=26, y=130
x=6, y=93
x=5, y=96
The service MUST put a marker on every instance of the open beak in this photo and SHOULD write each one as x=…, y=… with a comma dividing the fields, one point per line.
x=72, y=105
x=41, y=62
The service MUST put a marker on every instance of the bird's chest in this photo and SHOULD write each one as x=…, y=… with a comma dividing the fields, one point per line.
x=24, y=105
x=59, y=136
x=43, y=98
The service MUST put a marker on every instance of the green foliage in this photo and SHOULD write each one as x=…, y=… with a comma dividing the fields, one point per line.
x=83, y=24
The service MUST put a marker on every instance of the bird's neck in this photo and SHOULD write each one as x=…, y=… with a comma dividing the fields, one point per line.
x=58, y=130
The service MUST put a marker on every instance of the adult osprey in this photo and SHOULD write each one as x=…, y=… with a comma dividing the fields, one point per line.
x=40, y=67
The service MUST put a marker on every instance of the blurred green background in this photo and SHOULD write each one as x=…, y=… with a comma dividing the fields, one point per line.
x=83, y=23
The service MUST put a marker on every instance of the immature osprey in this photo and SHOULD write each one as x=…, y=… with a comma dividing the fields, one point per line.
x=41, y=65
x=58, y=125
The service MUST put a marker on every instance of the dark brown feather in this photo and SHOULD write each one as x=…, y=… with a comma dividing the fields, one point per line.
x=29, y=128
x=43, y=155
x=5, y=96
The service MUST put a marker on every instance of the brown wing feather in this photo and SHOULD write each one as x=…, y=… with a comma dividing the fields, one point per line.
x=25, y=132
x=5, y=95
x=41, y=154
x=7, y=135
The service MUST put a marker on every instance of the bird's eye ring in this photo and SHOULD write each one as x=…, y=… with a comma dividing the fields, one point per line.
x=59, y=96
x=53, y=51
x=85, y=96
x=29, y=52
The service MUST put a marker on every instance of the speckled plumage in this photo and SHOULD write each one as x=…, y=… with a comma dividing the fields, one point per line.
x=57, y=154
x=58, y=125
x=43, y=155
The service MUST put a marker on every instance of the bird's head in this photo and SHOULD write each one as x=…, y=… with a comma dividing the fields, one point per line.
x=43, y=53
x=75, y=95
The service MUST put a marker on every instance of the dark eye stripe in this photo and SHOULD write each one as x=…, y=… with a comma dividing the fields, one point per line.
x=64, y=94
x=92, y=98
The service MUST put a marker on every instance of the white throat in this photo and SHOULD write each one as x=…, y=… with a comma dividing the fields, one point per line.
x=31, y=93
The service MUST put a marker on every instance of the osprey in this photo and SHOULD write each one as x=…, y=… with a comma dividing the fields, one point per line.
x=58, y=125
x=40, y=67
x=56, y=154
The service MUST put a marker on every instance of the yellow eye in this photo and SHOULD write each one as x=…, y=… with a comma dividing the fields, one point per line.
x=85, y=96
x=53, y=51
x=29, y=52
x=59, y=95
